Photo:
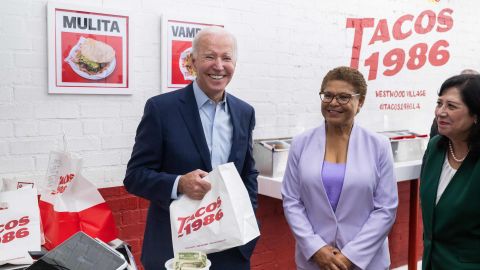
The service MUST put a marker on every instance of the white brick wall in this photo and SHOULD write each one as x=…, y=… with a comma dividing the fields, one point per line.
x=25, y=128
x=285, y=49
x=3, y=149
x=56, y=110
x=6, y=129
x=31, y=146
x=16, y=164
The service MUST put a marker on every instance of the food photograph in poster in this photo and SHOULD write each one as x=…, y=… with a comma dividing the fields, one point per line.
x=90, y=59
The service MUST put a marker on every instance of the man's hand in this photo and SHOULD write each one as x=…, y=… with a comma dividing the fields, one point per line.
x=343, y=259
x=326, y=259
x=192, y=184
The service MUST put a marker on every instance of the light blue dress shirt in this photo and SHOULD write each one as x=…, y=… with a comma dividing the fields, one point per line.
x=217, y=127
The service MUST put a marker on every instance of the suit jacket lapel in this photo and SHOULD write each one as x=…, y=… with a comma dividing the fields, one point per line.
x=235, y=118
x=352, y=160
x=189, y=111
x=321, y=158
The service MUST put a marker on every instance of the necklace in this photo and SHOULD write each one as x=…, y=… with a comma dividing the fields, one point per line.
x=450, y=147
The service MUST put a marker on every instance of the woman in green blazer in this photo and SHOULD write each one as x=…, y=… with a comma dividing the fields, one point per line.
x=450, y=179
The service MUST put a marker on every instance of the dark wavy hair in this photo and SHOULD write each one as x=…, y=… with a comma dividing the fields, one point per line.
x=469, y=87
x=349, y=75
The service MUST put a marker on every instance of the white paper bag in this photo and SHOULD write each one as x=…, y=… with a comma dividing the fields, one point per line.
x=223, y=219
x=19, y=225
x=70, y=203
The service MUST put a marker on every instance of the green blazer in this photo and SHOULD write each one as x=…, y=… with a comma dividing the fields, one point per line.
x=451, y=229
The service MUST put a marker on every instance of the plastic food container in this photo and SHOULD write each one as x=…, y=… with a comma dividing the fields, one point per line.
x=406, y=145
x=271, y=156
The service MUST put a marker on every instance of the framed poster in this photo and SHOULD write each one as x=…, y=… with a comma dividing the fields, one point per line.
x=88, y=51
x=179, y=36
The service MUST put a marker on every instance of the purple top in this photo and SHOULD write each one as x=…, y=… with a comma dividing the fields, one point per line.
x=332, y=178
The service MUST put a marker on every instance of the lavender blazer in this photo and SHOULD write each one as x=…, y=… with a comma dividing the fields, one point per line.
x=366, y=208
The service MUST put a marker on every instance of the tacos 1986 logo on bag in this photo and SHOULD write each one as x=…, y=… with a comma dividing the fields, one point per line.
x=203, y=216
x=14, y=229
x=63, y=183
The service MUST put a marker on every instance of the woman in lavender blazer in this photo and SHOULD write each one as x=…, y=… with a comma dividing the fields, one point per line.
x=339, y=190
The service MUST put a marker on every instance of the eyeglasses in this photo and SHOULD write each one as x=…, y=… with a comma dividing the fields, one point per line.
x=342, y=98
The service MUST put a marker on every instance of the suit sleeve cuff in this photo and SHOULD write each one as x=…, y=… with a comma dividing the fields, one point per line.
x=313, y=245
x=174, y=194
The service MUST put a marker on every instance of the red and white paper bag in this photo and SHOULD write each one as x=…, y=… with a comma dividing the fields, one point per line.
x=19, y=225
x=70, y=203
x=223, y=219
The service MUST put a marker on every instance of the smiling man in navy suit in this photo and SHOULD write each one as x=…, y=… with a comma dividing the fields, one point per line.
x=182, y=136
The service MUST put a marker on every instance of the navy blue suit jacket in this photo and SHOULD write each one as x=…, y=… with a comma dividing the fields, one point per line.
x=170, y=142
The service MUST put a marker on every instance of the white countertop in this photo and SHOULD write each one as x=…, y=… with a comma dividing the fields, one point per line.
x=404, y=171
